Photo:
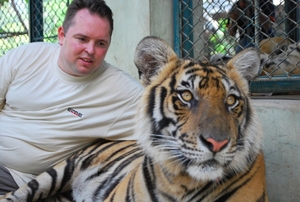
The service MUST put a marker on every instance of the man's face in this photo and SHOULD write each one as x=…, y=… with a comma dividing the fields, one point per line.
x=84, y=44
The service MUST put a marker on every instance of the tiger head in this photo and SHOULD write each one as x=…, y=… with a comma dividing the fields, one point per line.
x=196, y=118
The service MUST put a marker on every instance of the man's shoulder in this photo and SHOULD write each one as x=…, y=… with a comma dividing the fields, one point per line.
x=111, y=69
x=39, y=46
x=121, y=78
x=32, y=50
x=29, y=56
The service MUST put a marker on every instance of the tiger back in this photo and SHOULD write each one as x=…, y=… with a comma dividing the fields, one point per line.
x=284, y=60
x=199, y=139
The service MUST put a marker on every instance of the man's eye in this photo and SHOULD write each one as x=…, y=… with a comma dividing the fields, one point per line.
x=81, y=39
x=101, y=44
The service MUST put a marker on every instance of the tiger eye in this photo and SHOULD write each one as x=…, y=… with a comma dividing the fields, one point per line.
x=230, y=100
x=187, y=96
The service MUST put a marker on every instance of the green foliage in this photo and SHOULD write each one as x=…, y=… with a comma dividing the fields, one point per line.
x=2, y=2
x=219, y=40
x=13, y=30
x=54, y=12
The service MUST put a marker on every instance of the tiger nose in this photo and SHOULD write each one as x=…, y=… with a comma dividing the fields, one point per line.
x=214, y=145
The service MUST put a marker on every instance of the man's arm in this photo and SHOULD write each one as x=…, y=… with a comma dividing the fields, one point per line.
x=4, y=79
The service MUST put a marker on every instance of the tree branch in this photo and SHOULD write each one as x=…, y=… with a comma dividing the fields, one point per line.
x=19, y=15
x=4, y=35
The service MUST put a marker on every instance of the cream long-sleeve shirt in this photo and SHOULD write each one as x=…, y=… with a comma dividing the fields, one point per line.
x=47, y=114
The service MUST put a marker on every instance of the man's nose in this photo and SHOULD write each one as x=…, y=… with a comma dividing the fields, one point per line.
x=90, y=48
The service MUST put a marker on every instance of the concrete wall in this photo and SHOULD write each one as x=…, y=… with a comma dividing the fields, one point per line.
x=135, y=19
x=281, y=125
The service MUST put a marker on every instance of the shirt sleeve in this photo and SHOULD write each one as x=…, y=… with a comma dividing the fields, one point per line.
x=6, y=74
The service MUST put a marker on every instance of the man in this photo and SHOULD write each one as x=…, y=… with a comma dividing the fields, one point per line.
x=241, y=18
x=57, y=99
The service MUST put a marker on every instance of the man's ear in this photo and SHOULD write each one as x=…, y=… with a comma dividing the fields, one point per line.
x=61, y=35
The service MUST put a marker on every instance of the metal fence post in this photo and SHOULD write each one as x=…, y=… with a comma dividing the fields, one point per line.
x=177, y=41
x=187, y=26
x=292, y=22
x=36, y=20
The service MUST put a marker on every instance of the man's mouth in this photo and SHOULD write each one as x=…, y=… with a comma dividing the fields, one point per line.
x=86, y=60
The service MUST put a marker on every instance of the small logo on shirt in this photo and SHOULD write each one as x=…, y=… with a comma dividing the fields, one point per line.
x=73, y=111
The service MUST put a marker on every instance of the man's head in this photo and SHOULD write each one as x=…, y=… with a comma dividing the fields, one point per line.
x=97, y=7
x=84, y=37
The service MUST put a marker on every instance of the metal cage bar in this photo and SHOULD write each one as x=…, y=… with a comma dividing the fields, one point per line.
x=177, y=41
x=36, y=20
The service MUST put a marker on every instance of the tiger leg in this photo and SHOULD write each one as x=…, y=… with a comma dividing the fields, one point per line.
x=57, y=180
x=63, y=197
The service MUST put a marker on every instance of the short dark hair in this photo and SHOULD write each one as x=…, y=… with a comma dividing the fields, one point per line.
x=97, y=7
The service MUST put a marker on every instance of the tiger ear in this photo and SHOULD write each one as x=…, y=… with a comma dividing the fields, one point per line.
x=151, y=54
x=247, y=62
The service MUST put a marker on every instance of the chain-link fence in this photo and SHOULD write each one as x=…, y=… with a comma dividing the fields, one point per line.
x=225, y=27
x=204, y=28
x=24, y=21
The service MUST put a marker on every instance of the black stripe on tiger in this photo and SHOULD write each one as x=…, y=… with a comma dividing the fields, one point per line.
x=118, y=160
x=53, y=174
x=189, y=64
x=151, y=106
x=165, y=121
x=247, y=123
x=130, y=195
x=150, y=179
x=229, y=194
x=33, y=185
x=112, y=180
x=172, y=83
x=92, y=154
x=201, y=193
x=68, y=172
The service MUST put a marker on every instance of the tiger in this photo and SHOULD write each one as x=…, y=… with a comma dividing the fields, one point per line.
x=270, y=45
x=282, y=61
x=199, y=139
x=277, y=55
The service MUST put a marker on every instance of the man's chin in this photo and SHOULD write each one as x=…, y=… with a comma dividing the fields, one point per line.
x=82, y=71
